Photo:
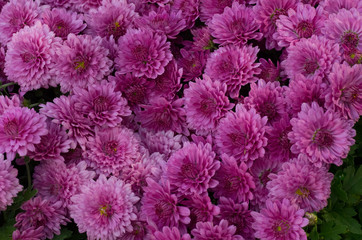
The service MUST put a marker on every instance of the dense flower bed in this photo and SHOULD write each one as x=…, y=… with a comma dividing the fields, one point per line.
x=180, y=119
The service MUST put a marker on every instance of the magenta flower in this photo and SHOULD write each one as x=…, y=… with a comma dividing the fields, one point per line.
x=15, y=15
x=104, y=209
x=208, y=8
x=333, y=6
x=101, y=104
x=236, y=25
x=20, y=129
x=189, y=10
x=161, y=207
x=85, y=6
x=345, y=94
x=234, y=180
x=81, y=61
x=241, y=135
x=280, y=220
x=29, y=234
x=40, y=212
x=222, y=231
x=170, y=234
x=269, y=72
x=205, y=104
x=202, y=39
x=6, y=102
x=57, y=3
x=234, y=66
x=147, y=53
x=111, y=149
x=62, y=22
x=30, y=57
x=190, y=169
x=192, y=63
x=10, y=186
x=323, y=136
x=56, y=181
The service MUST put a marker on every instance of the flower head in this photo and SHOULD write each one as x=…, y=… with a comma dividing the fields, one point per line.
x=269, y=72
x=221, y=231
x=208, y=8
x=6, y=102
x=170, y=234
x=333, y=6
x=189, y=10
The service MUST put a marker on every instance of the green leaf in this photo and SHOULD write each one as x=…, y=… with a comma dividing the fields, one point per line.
x=22, y=197
x=314, y=234
x=338, y=191
x=351, y=236
x=64, y=234
x=332, y=231
x=6, y=230
x=344, y=216
x=353, y=181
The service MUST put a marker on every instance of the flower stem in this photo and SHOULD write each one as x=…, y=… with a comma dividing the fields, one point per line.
x=7, y=85
x=27, y=160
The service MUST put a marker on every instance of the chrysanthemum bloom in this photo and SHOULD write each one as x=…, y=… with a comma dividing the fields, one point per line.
x=85, y=6
x=163, y=21
x=3, y=77
x=20, y=129
x=29, y=234
x=62, y=22
x=112, y=18
x=304, y=90
x=192, y=63
x=170, y=234
x=312, y=57
x=269, y=72
x=189, y=10
x=236, y=25
x=81, y=61
x=280, y=220
x=162, y=114
x=40, y=212
x=15, y=15
x=222, y=231
x=267, y=13
x=302, y=183
x=345, y=94
x=6, y=102
x=161, y=207
x=57, y=3
x=160, y=3
x=104, y=209
x=111, y=149
x=147, y=53
x=30, y=57
x=333, y=6
x=267, y=99
x=101, y=104
x=344, y=28
x=62, y=111
x=303, y=22
x=140, y=231
x=234, y=66
x=10, y=186
x=205, y=104
x=202, y=39
x=234, y=180
x=241, y=135
x=190, y=169
x=237, y=214
x=321, y=135
x=53, y=144
x=208, y=8
x=352, y=55
x=56, y=181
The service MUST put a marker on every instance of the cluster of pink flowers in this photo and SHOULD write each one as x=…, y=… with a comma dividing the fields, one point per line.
x=170, y=124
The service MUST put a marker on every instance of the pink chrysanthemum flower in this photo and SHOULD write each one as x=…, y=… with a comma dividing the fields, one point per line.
x=62, y=22
x=312, y=57
x=15, y=15
x=208, y=8
x=162, y=114
x=62, y=111
x=111, y=149
x=305, y=90
x=241, y=135
x=81, y=61
x=20, y=129
x=234, y=180
x=57, y=3
x=140, y=231
x=205, y=104
x=236, y=25
x=280, y=220
x=163, y=21
x=303, y=22
x=267, y=13
x=52, y=145
x=85, y=6
x=345, y=93
x=56, y=181
x=104, y=209
x=161, y=207
x=192, y=63
x=40, y=212
x=170, y=234
x=112, y=18
x=101, y=104
x=190, y=169
x=189, y=10
x=267, y=99
x=234, y=66
x=10, y=186
x=6, y=102
x=29, y=234
x=30, y=56
x=302, y=183
x=270, y=72
x=237, y=214
x=147, y=53
x=202, y=39
x=342, y=28
x=222, y=231
x=321, y=135
x=333, y=6
x=160, y=3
